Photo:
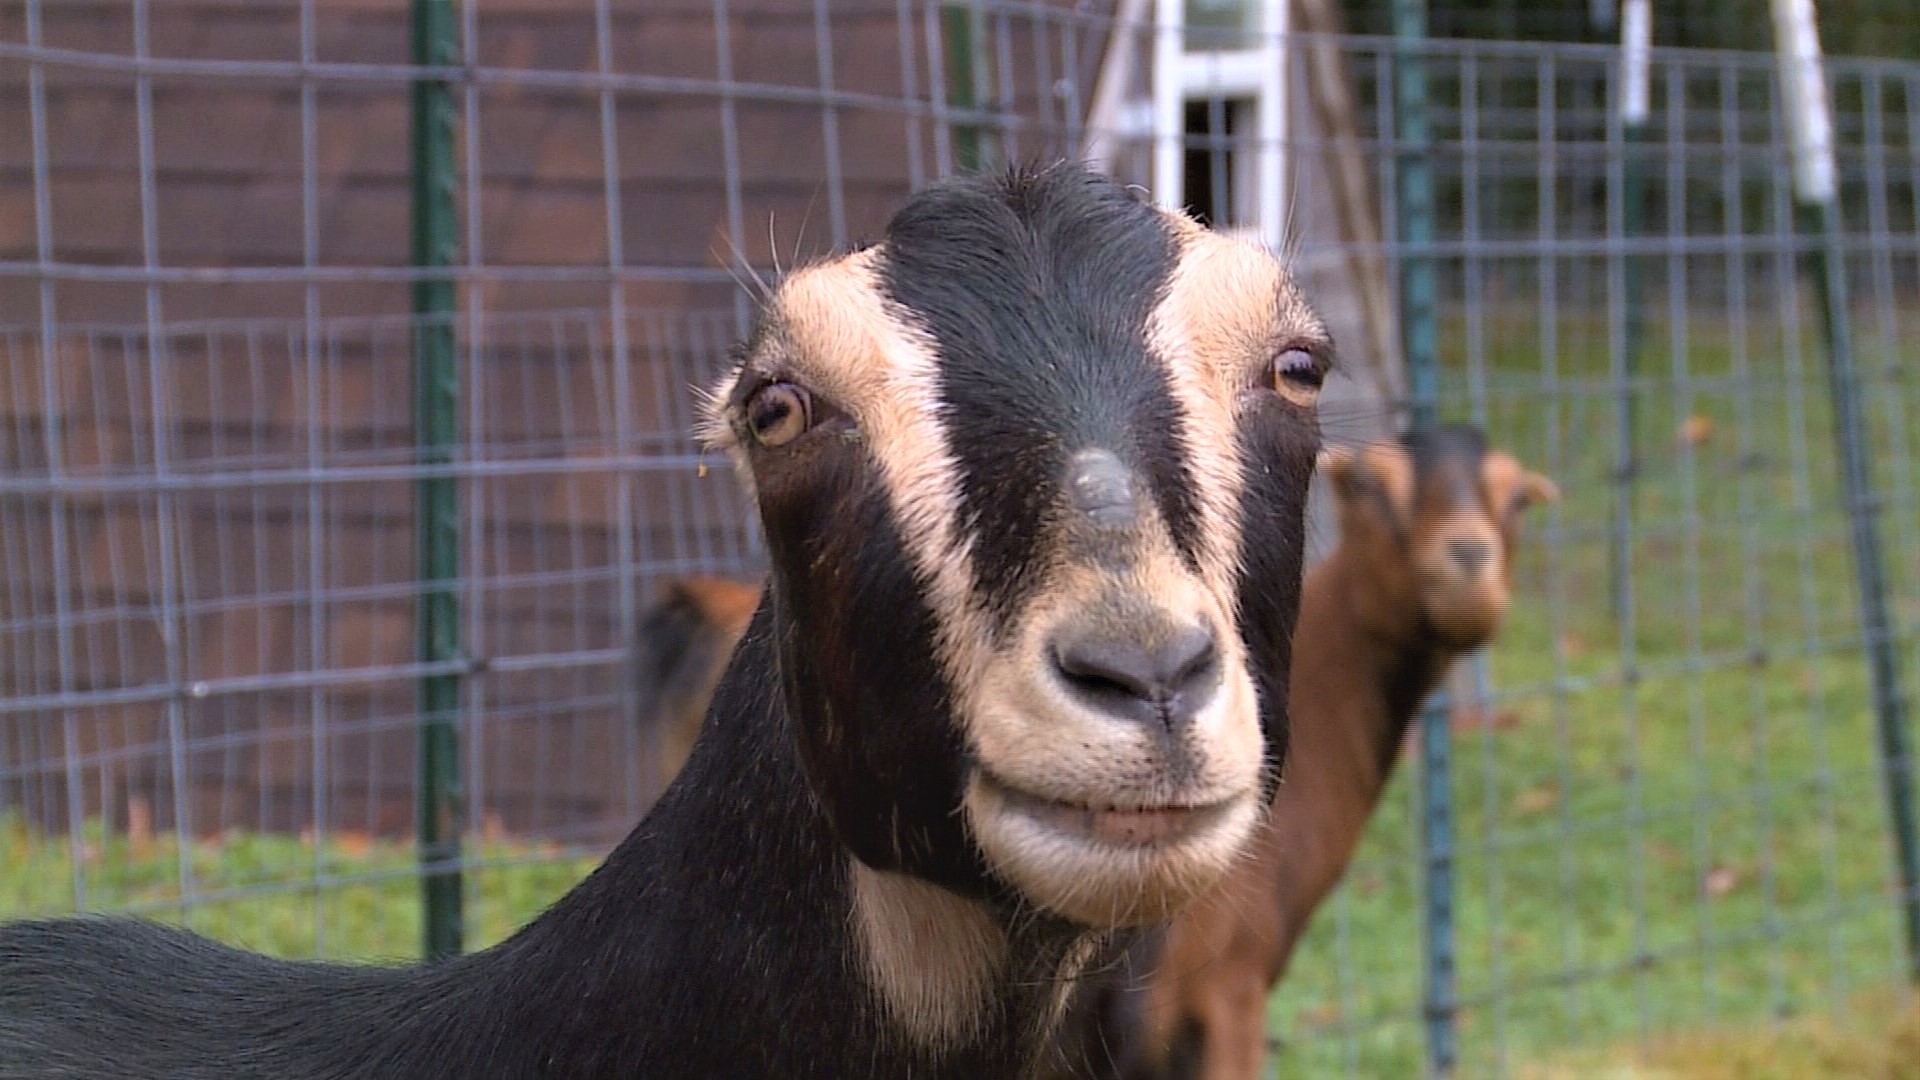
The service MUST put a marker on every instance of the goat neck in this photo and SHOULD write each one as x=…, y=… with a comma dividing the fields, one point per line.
x=739, y=833
x=1364, y=663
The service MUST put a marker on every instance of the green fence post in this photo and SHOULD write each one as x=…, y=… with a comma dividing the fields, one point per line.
x=1826, y=267
x=1636, y=34
x=1803, y=86
x=957, y=34
x=1419, y=331
x=1414, y=173
x=436, y=495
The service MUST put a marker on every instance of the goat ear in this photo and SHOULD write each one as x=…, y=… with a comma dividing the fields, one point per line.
x=1336, y=464
x=1533, y=488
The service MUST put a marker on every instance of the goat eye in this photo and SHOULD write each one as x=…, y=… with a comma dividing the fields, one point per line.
x=779, y=413
x=1297, y=375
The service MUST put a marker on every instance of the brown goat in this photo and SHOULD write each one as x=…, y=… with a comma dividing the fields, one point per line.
x=1420, y=577
x=681, y=649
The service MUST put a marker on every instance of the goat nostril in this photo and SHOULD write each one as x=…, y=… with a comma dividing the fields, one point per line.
x=1104, y=667
x=1470, y=555
x=1138, y=681
x=1188, y=657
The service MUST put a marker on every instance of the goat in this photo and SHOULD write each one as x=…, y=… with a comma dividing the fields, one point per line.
x=1420, y=576
x=681, y=648
x=1032, y=473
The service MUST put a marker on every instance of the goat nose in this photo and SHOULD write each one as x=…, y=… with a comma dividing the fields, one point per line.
x=1469, y=555
x=1167, y=682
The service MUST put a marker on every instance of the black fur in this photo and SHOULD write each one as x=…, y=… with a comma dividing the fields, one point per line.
x=889, y=786
x=1099, y=1037
x=1074, y=266
x=1278, y=445
x=670, y=960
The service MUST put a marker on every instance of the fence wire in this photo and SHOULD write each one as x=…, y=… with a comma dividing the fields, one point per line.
x=1668, y=808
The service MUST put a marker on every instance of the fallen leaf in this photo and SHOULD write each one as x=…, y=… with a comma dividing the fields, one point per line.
x=1321, y=1015
x=1722, y=880
x=1695, y=430
x=493, y=828
x=1537, y=800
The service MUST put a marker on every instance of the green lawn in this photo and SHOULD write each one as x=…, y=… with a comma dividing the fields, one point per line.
x=350, y=899
x=1700, y=846
x=1875, y=1037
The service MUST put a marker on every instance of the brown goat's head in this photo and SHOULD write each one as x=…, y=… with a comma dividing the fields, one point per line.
x=1434, y=518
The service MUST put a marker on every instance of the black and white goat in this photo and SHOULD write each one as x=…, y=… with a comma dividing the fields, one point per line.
x=1031, y=472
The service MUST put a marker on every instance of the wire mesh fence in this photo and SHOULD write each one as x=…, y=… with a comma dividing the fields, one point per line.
x=1667, y=796
x=1669, y=811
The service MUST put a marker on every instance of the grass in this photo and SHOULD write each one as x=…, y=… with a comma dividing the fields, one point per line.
x=1676, y=825
x=1876, y=1038
x=350, y=898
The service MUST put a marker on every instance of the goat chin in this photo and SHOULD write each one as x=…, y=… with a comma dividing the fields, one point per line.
x=1107, y=868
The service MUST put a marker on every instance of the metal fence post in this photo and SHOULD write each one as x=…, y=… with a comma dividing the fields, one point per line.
x=1636, y=36
x=957, y=37
x=1414, y=173
x=1803, y=87
x=436, y=496
x=1419, y=332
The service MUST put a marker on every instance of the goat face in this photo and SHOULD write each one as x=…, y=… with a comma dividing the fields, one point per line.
x=1005, y=460
x=1435, y=516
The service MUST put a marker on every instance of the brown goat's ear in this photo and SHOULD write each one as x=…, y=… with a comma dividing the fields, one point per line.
x=1511, y=487
x=1336, y=464
x=1533, y=488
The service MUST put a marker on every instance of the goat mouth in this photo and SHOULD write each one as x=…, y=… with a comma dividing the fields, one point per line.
x=1117, y=826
